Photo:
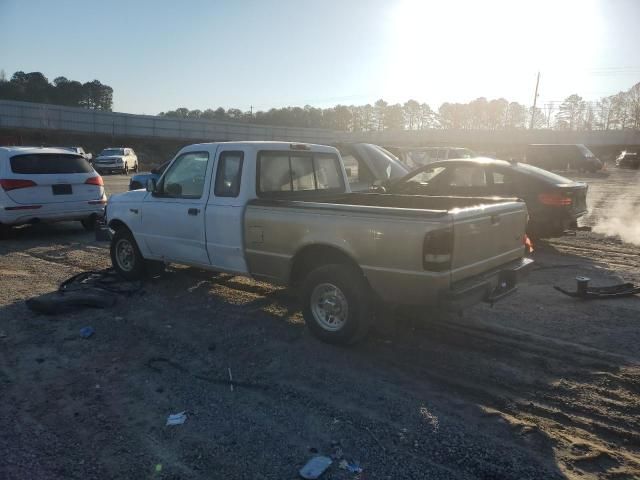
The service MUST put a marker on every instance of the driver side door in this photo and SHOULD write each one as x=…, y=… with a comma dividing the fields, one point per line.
x=173, y=216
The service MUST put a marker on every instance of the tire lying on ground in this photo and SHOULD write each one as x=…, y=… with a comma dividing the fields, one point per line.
x=336, y=304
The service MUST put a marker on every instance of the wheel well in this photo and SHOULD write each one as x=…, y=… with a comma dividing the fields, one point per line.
x=313, y=256
x=117, y=225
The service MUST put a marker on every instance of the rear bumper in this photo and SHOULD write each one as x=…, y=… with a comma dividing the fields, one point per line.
x=487, y=287
x=51, y=213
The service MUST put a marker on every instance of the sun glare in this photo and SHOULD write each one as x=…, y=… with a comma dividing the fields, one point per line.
x=469, y=46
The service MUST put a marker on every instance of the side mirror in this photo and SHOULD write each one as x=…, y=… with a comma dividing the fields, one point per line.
x=151, y=185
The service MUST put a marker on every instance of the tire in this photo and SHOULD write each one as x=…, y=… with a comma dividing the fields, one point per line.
x=125, y=255
x=336, y=304
x=125, y=169
x=89, y=223
x=5, y=230
x=135, y=167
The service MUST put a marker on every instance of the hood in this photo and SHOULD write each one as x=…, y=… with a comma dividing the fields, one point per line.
x=130, y=196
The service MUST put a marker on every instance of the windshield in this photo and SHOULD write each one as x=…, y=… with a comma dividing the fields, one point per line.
x=112, y=151
x=585, y=151
x=461, y=153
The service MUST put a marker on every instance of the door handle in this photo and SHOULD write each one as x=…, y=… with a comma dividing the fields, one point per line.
x=193, y=211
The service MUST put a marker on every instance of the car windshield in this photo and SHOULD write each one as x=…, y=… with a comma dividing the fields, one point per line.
x=112, y=151
x=424, y=176
x=585, y=151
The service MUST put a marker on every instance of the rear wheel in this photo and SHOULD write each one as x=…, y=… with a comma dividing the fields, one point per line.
x=125, y=255
x=337, y=304
x=135, y=167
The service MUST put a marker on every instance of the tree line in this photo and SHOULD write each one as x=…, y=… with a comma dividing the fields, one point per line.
x=615, y=112
x=35, y=87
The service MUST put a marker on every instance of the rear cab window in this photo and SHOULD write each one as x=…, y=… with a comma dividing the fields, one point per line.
x=229, y=174
x=293, y=173
x=49, y=163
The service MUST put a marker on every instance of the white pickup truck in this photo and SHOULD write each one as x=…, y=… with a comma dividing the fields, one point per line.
x=283, y=213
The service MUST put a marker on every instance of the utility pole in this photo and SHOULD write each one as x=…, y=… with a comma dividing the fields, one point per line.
x=251, y=110
x=535, y=101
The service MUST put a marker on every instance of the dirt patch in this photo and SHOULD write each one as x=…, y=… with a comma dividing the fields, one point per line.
x=540, y=386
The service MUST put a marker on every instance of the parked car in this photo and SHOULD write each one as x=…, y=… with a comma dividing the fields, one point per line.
x=284, y=213
x=554, y=202
x=416, y=157
x=80, y=151
x=48, y=185
x=562, y=157
x=139, y=180
x=119, y=159
x=628, y=160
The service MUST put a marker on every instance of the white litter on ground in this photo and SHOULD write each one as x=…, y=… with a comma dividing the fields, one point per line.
x=177, y=418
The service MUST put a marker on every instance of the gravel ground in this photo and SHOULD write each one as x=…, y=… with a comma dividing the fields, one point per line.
x=540, y=386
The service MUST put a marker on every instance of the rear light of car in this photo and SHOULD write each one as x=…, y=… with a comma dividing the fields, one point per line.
x=14, y=184
x=436, y=250
x=554, y=199
x=95, y=181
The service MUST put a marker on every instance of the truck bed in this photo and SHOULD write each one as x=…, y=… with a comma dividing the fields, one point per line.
x=429, y=205
x=387, y=236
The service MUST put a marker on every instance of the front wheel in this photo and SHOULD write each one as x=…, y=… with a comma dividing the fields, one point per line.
x=125, y=169
x=125, y=255
x=337, y=304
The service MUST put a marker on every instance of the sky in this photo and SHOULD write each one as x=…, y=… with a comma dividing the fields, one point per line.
x=160, y=55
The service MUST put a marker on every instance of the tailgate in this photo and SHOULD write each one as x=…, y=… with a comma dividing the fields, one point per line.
x=486, y=237
x=57, y=189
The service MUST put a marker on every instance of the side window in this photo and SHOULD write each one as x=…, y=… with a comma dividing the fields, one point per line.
x=185, y=178
x=328, y=173
x=427, y=175
x=275, y=175
x=468, y=176
x=229, y=174
x=501, y=177
x=297, y=172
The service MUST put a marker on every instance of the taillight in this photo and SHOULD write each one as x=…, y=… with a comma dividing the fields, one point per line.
x=95, y=181
x=555, y=199
x=436, y=250
x=14, y=184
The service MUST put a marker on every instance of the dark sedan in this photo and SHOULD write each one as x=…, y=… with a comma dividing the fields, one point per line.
x=554, y=202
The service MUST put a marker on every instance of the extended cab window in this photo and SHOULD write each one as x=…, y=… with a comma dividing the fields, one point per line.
x=280, y=172
x=185, y=178
x=229, y=174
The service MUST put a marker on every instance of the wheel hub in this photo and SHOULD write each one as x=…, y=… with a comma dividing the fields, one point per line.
x=329, y=306
x=125, y=255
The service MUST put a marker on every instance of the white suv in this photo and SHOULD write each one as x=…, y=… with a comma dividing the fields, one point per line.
x=119, y=159
x=48, y=185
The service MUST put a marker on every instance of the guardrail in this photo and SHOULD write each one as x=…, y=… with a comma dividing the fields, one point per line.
x=40, y=116
x=55, y=117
